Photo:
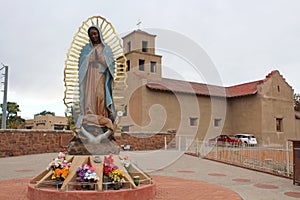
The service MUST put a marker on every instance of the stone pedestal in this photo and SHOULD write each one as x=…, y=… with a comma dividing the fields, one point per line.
x=39, y=187
x=85, y=150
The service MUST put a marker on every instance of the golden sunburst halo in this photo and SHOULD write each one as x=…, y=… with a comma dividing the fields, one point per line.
x=80, y=39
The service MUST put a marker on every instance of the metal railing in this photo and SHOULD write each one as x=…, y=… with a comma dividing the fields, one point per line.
x=272, y=160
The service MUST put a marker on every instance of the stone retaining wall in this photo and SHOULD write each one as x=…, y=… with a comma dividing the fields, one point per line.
x=139, y=141
x=17, y=142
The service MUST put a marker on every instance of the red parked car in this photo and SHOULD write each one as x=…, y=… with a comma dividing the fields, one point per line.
x=226, y=140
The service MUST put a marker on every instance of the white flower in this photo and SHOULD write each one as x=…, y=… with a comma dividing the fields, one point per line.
x=120, y=113
x=125, y=163
x=91, y=176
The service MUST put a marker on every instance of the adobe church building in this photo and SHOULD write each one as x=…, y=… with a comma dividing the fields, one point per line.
x=264, y=108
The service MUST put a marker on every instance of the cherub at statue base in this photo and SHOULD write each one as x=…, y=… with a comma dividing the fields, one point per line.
x=86, y=142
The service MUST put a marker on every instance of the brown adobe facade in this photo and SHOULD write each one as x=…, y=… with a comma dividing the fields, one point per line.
x=48, y=122
x=264, y=108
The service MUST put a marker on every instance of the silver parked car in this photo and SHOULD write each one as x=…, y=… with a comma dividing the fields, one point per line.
x=247, y=139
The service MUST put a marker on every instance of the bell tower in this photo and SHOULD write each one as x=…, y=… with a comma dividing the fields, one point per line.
x=140, y=53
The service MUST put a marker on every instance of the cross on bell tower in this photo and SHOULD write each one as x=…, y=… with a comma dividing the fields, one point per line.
x=138, y=24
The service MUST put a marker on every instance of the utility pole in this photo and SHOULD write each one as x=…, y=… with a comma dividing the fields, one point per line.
x=4, y=104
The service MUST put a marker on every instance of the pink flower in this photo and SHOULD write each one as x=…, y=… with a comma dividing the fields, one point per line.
x=61, y=155
x=65, y=165
x=109, y=158
x=86, y=166
x=92, y=169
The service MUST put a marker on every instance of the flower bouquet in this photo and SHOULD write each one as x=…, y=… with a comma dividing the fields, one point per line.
x=60, y=167
x=86, y=174
x=111, y=173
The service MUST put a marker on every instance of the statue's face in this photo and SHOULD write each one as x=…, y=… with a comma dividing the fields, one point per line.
x=94, y=36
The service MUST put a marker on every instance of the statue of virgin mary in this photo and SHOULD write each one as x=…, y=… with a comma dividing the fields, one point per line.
x=95, y=85
x=96, y=73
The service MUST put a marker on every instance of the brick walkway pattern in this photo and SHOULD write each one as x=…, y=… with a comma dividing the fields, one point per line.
x=166, y=188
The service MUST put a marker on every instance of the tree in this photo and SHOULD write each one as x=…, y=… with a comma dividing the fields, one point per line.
x=297, y=102
x=71, y=124
x=70, y=117
x=12, y=109
x=45, y=113
x=13, y=121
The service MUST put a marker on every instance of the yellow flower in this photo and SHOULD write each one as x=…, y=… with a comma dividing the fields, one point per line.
x=53, y=176
x=65, y=173
x=116, y=175
x=60, y=173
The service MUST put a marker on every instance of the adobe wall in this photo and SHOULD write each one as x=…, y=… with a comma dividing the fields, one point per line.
x=145, y=141
x=165, y=111
x=17, y=142
x=277, y=103
x=245, y=116
x=297, y=130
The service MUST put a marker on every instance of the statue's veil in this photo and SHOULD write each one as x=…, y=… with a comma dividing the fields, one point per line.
x=71, y=76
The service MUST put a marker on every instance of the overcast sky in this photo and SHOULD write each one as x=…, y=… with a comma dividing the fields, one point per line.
x=245, y=40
